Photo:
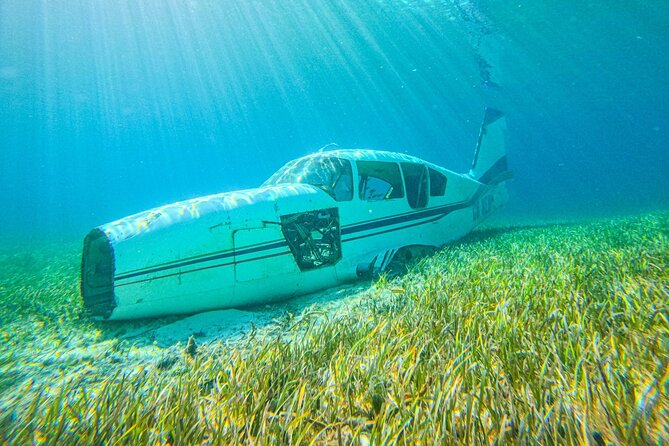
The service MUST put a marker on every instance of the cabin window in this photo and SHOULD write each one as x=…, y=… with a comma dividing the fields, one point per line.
x=415, y=180
x=332, y=175
x=378, y=180
x=437, y=183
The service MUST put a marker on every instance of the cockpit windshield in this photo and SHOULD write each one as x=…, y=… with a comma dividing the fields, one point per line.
x=331, y=174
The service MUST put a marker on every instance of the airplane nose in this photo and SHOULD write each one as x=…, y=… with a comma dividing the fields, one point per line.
x=97, y=274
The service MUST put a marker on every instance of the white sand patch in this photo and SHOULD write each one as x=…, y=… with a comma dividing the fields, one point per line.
x=234, y=324
x=131, y=348
x=209, y=326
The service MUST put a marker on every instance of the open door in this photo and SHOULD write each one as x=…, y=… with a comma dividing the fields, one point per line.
x=314, y=237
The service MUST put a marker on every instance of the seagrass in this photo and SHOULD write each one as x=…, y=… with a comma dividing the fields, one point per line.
x=551, y=334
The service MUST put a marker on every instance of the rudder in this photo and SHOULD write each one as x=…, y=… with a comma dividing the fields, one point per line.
x=489, y=165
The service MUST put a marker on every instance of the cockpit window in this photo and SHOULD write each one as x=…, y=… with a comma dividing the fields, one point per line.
x=379, y=180
x=333, y=175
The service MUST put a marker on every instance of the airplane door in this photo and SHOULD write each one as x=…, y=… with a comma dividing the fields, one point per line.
x=373, y=218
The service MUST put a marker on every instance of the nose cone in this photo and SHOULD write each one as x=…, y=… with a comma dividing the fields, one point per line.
x=97, y=275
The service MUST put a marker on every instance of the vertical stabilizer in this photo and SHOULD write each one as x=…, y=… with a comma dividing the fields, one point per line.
x=489, y=164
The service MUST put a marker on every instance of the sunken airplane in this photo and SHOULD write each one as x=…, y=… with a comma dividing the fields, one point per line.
x=320, y=220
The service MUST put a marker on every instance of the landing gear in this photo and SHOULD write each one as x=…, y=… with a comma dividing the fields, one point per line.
x=393, y=262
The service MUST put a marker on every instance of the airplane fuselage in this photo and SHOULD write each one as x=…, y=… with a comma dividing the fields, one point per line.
x=321, y=220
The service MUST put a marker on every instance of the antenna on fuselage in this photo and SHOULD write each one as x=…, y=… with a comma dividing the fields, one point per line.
x=322, y=149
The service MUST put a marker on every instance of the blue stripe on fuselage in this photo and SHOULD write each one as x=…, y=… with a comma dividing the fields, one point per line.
x=439, y=212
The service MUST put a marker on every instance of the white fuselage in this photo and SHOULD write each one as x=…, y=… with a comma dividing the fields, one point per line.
x=318, y=221
x=239, y=256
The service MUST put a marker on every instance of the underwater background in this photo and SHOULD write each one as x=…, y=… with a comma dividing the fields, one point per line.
x=110, y=108
x=549, y=324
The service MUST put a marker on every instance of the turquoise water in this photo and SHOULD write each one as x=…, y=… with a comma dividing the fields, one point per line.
x=109, y=108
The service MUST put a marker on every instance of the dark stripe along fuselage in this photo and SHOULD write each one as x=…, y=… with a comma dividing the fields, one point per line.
x=437, y=212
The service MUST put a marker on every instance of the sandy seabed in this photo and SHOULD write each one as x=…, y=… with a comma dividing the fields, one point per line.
x=555, y=332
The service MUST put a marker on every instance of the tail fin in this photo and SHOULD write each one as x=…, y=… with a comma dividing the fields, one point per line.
x=489, y=164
